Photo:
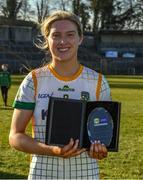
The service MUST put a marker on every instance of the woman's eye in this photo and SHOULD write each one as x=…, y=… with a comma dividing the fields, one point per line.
x=55, y=35
x=70, y=35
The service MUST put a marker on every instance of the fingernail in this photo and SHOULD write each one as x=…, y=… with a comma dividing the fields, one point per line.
x=96, y=149
x=92, y=142
x=91, y=148
x=77, y=140
x=95, y=141
x=98, y=141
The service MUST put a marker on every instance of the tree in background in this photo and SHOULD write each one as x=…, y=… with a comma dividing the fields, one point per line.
x=11, y=9
x=81, y=9
x=98, y=14
x=64, y=4
x=16, y=12
x=25, y=10
x=84, y=15
x=117, y=14
x=76, y=6
x=103, y=13
x=128, y=14
x=42, y=7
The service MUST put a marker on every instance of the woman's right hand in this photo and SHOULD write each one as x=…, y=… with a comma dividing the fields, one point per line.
x=69, y=150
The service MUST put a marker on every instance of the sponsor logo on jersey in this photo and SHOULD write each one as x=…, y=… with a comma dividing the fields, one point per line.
x=44, y=95
x=44, y=114
x=66, y=88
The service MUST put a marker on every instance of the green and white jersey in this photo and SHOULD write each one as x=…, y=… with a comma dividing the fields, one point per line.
x=5, y=79
x=34, y=93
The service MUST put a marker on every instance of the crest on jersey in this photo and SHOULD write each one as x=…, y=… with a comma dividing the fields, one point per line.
x=85, y=96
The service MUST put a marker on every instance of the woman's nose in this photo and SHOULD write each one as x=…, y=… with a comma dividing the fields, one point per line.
x=63, y=40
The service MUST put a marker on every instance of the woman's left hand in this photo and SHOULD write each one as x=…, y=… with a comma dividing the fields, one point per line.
x=98, y=150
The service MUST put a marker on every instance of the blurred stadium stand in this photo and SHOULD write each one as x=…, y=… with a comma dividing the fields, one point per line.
x=115, y=52
x=17, y=49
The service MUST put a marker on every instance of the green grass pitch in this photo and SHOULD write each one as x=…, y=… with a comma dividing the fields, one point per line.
x=125, y=164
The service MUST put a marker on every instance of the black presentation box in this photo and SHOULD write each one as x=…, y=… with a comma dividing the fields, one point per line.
x=67, y=118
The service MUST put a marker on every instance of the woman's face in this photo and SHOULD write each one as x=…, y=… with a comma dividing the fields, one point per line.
x=63, y=41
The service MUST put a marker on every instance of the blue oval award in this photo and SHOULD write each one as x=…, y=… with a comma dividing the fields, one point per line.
x=100, y=126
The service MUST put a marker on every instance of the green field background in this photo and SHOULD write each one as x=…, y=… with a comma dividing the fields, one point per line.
x=125, y=164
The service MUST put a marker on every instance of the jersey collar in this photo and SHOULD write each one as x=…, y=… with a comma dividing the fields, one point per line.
x=73, y=77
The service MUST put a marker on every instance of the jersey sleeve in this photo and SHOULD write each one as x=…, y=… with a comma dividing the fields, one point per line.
x=25, y=97
x=105, y=94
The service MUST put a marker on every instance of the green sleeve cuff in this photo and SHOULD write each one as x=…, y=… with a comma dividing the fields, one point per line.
x=23, y=105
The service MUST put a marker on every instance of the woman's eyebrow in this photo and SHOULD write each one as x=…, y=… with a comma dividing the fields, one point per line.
x=71, y=31
x=65, y=32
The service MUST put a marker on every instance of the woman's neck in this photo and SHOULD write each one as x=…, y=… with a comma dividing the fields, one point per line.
x=65, y=69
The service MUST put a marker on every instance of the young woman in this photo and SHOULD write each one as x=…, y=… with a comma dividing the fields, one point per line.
x=62, y=33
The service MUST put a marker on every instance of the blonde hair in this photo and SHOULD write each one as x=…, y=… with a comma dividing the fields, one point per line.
x=56, y=16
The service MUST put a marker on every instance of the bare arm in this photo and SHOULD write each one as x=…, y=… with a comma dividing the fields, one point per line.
x=22, y=142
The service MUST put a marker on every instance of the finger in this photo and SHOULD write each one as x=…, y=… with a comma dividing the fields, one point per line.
x=67, y=147
x=72, y=150
x=95, y=149
x=78, y=152
x=91, y=150
x=98, y=150
x=98, y=147
x=102, y=151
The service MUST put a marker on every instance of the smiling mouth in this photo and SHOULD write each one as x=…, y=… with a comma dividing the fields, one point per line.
x=63, y=49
